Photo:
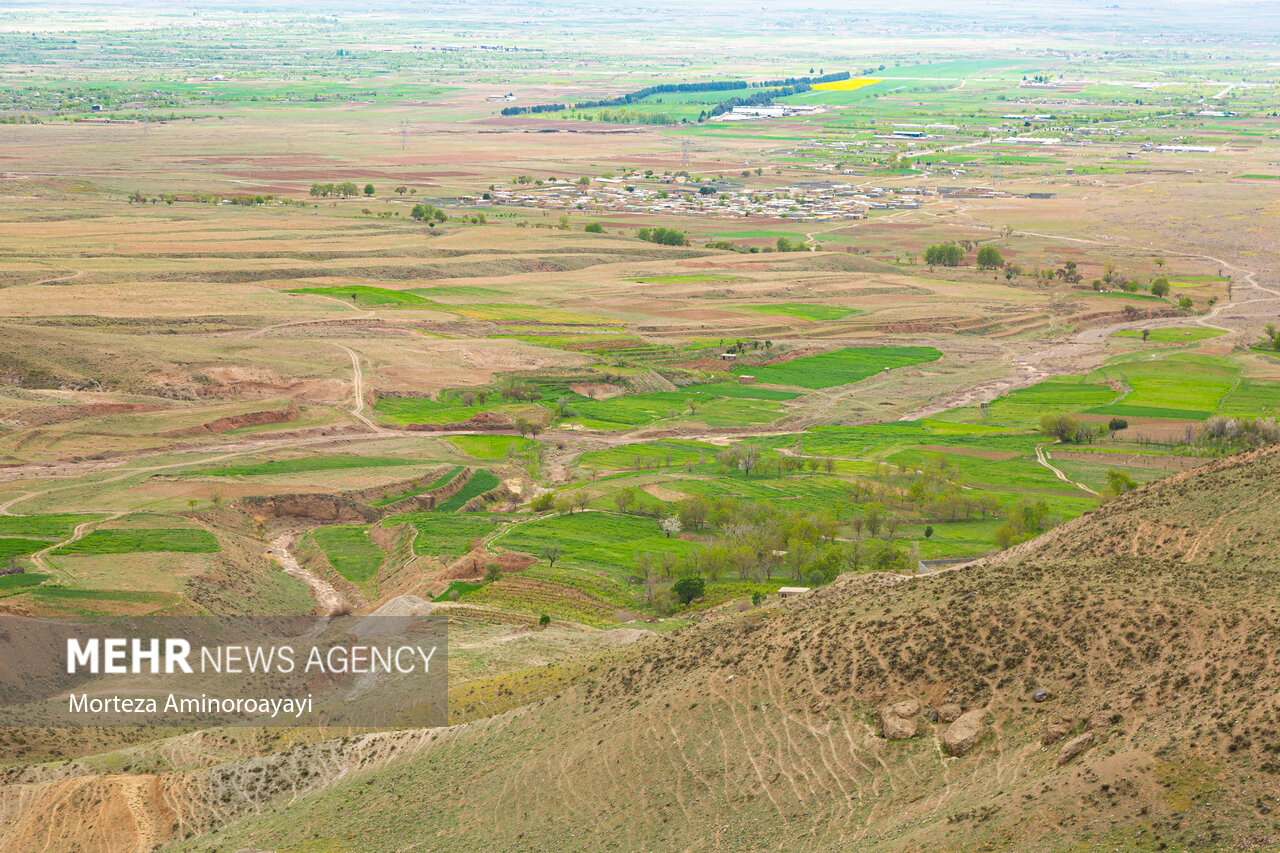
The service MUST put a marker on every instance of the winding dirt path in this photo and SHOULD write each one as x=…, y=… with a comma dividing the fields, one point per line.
x=357, y=386
x=74, y=275
x=81, y=530
x=1042, y=456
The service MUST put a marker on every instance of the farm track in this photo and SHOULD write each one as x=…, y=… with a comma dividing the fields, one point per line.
x=357, y=389
x=1042, y=456
x=81, y=530
x=54, y=280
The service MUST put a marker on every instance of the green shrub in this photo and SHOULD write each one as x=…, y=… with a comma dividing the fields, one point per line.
x=690, y=588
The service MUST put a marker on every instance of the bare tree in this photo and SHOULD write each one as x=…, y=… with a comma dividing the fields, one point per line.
x=551, y=552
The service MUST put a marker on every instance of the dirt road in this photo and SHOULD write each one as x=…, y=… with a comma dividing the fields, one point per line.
x=1042, y=456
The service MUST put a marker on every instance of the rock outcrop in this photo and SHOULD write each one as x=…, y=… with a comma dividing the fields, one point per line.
x=962, y=734
x=900, y=720
x=1074, y=747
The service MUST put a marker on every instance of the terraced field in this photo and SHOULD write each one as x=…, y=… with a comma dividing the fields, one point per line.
x=185, y=540
x=350, y=551
x=1185, y=386
x=840, y=367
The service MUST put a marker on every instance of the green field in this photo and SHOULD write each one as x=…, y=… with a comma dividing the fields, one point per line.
x=365, y=295
x=481, y=481
x=601, y=541
x=805, y=310
x=188, y=540
x=875, y=441
x=443, y=533
x=15, y=547
x=667, y=452
x=1024, y=407
x=1252, y=398
x=456, y=290
x=490, y=446
x=349, y=550
x=423, y=410
x=442, y=480
x=55, y=525
x=839, y=367
x=1180, y=385
x=301, y=466
x=794, y=493
x=1173, y=335
x=28, y=579
x=714, y=405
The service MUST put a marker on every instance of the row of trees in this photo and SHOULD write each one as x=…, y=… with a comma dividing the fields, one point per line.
x=672, y=88
x=663, y=236
x=952, y=255
x=346, y=189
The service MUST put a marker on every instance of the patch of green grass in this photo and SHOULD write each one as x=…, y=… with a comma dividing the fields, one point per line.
x=481, y=481
x=1022, y=474
x=460, y=587
x=709, y=407
x=442, y=480
x=365, y=295
x=56, y=525
x=794, y=493
x=1024, y=407
x=349, y=550
x=1181, y=385
x=23, y=580
x=805, y=310
x=188, y=540
x=1173, y=335
x=674, y=451
x=302, y=465
x=443, y=533
x=738, y=391
x=875, y=441
x=490, y=446
x=687, y=278
x=1252, y=398
x=422, y=410
x=600, y=541
x=14, y=547
x=1146, y=297
x=840, y=367
x=456, y=290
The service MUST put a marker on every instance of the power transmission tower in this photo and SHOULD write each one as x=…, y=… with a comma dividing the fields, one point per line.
x=404, y=134
x=685, y=152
